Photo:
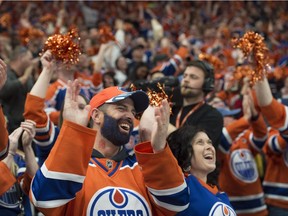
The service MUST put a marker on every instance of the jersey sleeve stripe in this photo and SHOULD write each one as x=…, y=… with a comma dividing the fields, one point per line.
x=168, y=192
x=55, y=191
x=257, y=143
x=273, y=144
x=171, y=207
x=226, y=141
x=49, y=138
x=49, y=204
x=61, y=176
x=176, y=199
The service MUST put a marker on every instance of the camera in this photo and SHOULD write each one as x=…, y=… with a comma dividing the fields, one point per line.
x=171, y=86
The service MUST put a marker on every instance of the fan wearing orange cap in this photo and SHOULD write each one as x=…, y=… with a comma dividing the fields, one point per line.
x=90, y=172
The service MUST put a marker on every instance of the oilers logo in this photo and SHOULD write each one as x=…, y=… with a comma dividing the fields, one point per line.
x=243, y=165
x=116, y=201
x=221, y=209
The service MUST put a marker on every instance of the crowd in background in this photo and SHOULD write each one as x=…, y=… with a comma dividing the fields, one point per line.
x=140, y=43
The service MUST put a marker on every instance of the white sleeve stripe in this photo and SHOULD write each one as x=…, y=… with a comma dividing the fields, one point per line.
x=167, y=192
x=49, y=204
x=260, y=139
x=49, y=110
x=252, y=143
x=46, y=128
x=97, y=88
x=275, y=144
x=226, y=134
x=175, y=208
x=284, y=127
x=61, y=176
x=172, y=61
x=275, y=184
x=223, y=150
x=52, y=136
x=178, y=57
x=246, y=198
x=21, y=170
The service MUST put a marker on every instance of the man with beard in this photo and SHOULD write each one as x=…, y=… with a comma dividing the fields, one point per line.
x=89, y=171
x=197, y=82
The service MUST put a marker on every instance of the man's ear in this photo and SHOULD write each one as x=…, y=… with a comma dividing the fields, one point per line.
x=96, y=116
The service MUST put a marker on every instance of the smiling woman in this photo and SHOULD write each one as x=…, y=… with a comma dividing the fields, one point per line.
x=196, y=156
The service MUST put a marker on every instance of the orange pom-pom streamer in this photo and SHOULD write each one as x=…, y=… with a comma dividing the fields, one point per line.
x=156, y=97
x=253, y=44
x=244, y=71
x=27, y=34
x=65, y=47
x=106, y=35
x=213, y=60
x=5, y=20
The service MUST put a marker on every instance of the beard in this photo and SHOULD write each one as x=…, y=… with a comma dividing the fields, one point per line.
x=110, y=130
x=190, y=92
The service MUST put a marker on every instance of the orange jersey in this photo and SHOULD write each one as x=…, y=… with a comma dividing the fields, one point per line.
x=7, y=179
x=275, y=182
x=72, y=182
x=3, y=136
x=10, y=192
x=239, y=176
x=46, y=131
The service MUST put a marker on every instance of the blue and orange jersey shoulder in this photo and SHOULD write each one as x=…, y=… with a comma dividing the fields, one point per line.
x=275, y=177
x=46, y=131
x=171, y=67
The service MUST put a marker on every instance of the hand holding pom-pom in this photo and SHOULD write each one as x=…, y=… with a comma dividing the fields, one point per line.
x=253, y=44
x=64, y=47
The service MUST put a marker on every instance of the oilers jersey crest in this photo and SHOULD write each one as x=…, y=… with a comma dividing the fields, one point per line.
x=221, y=209
x=114, y=201
x=243, y=165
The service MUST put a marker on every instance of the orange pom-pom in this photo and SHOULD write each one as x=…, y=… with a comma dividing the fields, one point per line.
x=253, y=43
x=106, y=35
x=155, y=97
x=27, y=34
x=213, y=60
x=64, y=47
x=5, y=20
x=244, y=71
